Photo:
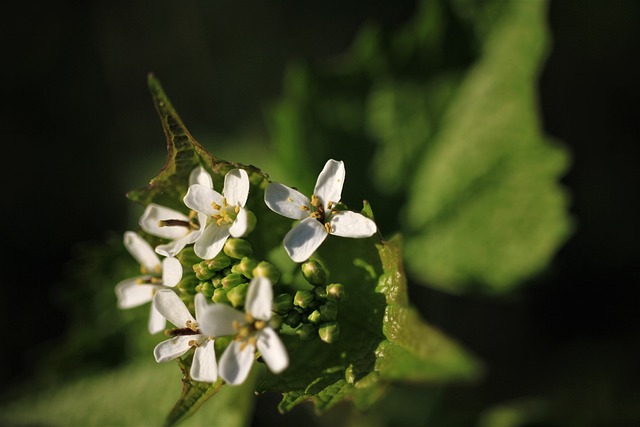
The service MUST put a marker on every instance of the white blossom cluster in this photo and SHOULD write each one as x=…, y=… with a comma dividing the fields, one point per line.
x=213, y=218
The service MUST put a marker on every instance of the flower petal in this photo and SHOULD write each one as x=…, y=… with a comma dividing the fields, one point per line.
x=141, y=251
x=236, y=187
x=172, y=249
x=171, y=272
x=157, y=321
x=175, y=347
x=169, y=304
x=218, y=320
x=200, y=302
x=155, y=213
x=259, y=298
x=130, y=293
x=211, y=241
x=304, y=239
x=200, y=199
x=272, y=350
x=200, y=176
x=286, y=201
x=204, y=366
x=240, y=225
x=330, y=181
x=352, y=224
x=236, y=362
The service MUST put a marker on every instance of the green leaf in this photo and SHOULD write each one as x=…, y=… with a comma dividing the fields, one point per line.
x=485, y=209
x=382, y=339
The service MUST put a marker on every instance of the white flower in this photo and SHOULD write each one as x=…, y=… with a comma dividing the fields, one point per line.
x=225, y=213
x=250, y=330
x=204, y=367
x=172, y=225
x=140, y=289
x=319, y=219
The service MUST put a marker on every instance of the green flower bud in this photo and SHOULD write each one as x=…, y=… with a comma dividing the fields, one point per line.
x=220, y=296
x=203, y=272
x=306, y=332
x=245, y=267
x=188, y=285
x=314, y=317
x=268, y=270
x=314, y=273
x=335, y=291
x=219, y=262
x=216, y=281
x=276, y=321
x=207, y=288
x=237, y=295
x=292, y=319
x=283, y=303
x=320, y=292
x=329, y=311
x=188, y=257
x=329, y=332
x=233, y=280
x=303, y=299
x=237, y=248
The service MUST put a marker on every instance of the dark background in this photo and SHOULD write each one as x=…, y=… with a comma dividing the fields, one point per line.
x=79, y=130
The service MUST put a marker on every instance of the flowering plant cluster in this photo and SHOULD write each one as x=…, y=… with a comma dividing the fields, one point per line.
x=245, y=269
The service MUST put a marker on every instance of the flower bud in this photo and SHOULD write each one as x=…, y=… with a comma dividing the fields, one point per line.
x=335, y=291
x=283, y=303
x=245, y=267
x=237, y=248
x=188, y=285
x=303, y=299
x=203, y=272
x=314, y=317
x=306, y=332
x=276, y=321
x=233, y=280
x=206, y=288
x=329, y=332
x=268, y=270
x=292, y=319
x=220, y=296
x=219, y=262
x=188, y=257
x=251, y=222
x=216, y=281
x=237, y=295
x=314, y=273
x=329, y=311
x=321, y=292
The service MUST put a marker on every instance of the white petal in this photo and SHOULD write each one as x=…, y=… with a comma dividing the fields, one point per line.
x=259, y=298
x=211, y=241
x=200, y=176
x=141, y=251
x=240, y=225
x=352, y=224
x=236, y=187
x=330, y=181
x=171, y=272
x=157, y=322
x=169, y=304
x=286, y=201
x=304, y=239
x=172, y=249
x=132, y=294
x=200, y=199
x=236, y=362
x=201, y=305
x=218, y=320
x=155, y=213
x=204, y=366
x=175, y=347
x=272, y=350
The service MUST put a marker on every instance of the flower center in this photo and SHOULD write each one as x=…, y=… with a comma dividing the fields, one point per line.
x=318, y=212
x=245, y=332
x=226, y=213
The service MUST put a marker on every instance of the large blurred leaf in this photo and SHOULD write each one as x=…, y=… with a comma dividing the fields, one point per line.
x=132, y=395
x=485, y=208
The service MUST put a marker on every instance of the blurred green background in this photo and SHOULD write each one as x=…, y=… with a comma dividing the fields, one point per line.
x=433, y=107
